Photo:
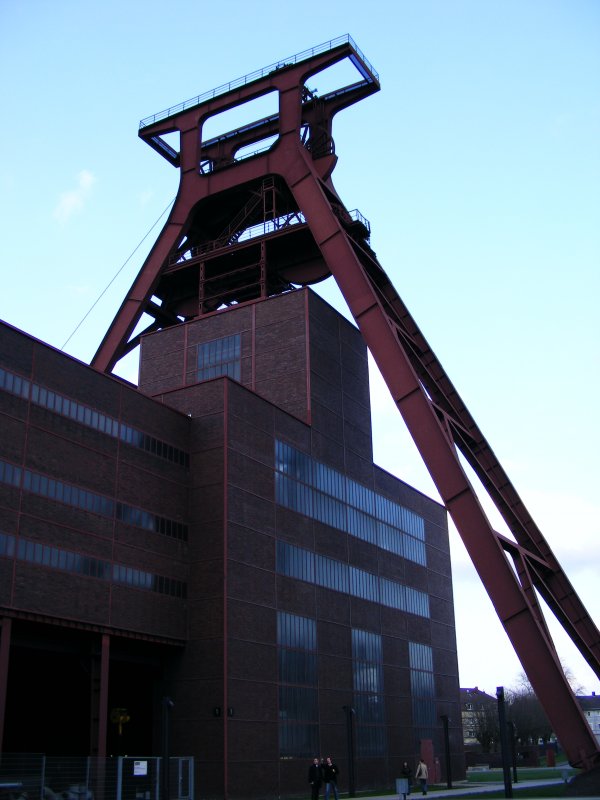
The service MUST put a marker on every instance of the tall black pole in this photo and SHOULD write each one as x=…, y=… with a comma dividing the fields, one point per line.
x=512, y=729
x=504, y=742
x=350, y=737
x=167, y=705
x=444, y=718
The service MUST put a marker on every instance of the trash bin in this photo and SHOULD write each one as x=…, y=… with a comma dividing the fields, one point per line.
x=402, y=786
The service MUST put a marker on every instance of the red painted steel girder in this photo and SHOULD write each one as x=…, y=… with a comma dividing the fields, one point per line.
x=295, y=111
x=436, y=416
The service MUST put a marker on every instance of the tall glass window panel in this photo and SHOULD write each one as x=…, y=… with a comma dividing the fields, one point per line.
x=422, y=685
x=369, y=706
x=298, y=739
x=220, y=357
x=298, y=697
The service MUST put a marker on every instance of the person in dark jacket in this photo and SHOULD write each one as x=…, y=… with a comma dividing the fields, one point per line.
x=406, y=774
x=330, y=776
x=315, y=778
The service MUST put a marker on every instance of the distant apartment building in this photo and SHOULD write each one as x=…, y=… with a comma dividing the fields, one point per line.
x=474, y=705
x=590, y=705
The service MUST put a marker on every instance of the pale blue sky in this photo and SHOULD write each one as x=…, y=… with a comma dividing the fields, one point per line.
x=478, y=166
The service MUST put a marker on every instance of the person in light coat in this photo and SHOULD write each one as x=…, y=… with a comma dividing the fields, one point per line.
x=422, y=774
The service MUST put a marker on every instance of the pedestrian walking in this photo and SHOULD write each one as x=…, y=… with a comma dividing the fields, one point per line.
x=406, y=777
x=422, y=774
x=315, y=778
x=330, y=777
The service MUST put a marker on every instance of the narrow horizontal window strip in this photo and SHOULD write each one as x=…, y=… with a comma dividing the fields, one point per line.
x=92, y=502
x=90, y=418
x=79, y=564
x=294, y=562
x=320, y=492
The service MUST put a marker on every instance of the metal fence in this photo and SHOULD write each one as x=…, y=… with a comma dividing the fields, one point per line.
x=39, y=777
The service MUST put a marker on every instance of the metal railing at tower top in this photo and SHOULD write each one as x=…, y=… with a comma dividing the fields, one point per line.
x=260, y=73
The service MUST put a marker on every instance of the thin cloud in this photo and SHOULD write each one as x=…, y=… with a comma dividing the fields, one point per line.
x=72, y=202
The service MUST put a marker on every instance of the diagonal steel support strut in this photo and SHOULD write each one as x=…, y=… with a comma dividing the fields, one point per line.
x=514, y=572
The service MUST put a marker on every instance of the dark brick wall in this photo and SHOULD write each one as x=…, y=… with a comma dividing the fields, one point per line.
x=62, y=449
x=242, y=444
x=297, y=352
x=304, y=380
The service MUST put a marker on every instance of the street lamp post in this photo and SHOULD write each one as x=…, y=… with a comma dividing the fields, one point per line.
x=349, y=711
x=512, y=728
x=445, y=721
x=504, y=742
x=167, y=705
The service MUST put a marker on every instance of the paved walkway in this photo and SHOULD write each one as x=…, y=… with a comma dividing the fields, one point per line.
x=478, y=790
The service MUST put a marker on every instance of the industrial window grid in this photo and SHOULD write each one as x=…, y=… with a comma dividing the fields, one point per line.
x=77, y=563
x=295, y=562
x=86, y=500
x=315, y=490
x=90, y=417
x=298, y=697
x=422, y=685
x=220, y=357
x=369, y=702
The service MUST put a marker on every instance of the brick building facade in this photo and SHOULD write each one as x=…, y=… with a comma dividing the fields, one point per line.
x=219, y=535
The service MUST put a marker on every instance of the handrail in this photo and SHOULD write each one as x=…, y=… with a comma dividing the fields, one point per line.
x=260, y=229
x=358, y=217
x=260, y=73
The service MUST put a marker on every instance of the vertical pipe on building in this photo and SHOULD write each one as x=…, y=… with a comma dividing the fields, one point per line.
x=225, y=588
x=263, y=268
x=5, y=636
x=307, y=346
x=185, y=355
x=103, y=695
x=445, y=722
x=165, y=775
x=253, y=351
x=350, y=712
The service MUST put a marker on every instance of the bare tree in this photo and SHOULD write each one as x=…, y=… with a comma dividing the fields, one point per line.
x=528, y=716
x=526, y=712
x=485, y=725
x=576, y=686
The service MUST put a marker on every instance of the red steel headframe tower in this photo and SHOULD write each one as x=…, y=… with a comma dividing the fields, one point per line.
x=256, y=214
